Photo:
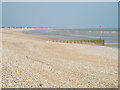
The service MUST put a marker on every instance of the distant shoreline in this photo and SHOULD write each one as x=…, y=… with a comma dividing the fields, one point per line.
x=71, y=34
x=60, y=28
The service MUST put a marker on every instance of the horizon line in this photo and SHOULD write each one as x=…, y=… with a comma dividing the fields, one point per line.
x=58, y=27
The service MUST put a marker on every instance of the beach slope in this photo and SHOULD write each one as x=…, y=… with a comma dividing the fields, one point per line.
x=32, y=62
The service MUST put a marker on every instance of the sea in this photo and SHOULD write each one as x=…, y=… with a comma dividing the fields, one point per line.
x=109, y=35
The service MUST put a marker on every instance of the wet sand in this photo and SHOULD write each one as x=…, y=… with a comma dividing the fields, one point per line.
x=35, y=62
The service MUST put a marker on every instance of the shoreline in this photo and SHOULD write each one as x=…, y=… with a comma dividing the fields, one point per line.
x=61, y=36
x=34, y=62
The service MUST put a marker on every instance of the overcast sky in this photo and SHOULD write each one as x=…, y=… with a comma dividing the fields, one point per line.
x=61, y=14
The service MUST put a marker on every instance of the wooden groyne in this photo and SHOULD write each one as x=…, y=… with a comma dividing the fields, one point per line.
x=99, y=42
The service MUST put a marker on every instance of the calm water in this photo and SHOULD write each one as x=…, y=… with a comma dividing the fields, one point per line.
x=110, y=36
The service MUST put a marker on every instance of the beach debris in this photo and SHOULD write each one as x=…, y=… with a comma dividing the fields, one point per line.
x=40, y=85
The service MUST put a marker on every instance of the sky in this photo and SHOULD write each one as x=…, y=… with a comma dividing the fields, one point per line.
x=60, y=14
x=0, y=14
x=60, y=0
